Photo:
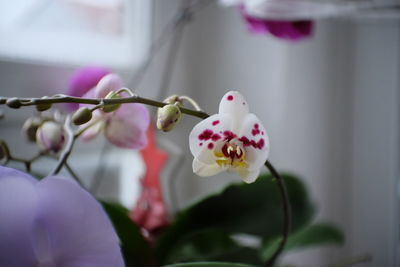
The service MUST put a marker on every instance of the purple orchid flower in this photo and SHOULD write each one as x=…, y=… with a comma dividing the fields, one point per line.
x=83, y=80
x=53, y=223
x=125, y=127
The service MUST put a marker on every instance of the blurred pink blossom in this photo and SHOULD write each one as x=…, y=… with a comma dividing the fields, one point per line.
x=83, y=80
x=276, y=17
x=125, y=127
x=287, y=30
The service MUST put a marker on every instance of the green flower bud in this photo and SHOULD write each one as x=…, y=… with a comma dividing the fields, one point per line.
x=167, y=117
x=13, y=103
x=43, y=107
x=81, y=116
x=111, y=108
x=30, y=127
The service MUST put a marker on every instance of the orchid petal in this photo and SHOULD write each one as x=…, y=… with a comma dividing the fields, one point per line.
x=83, y=80
x=17, y=208
x=78, y=229
x=53, y=222
x=88, y=94
x=248, y=176
x=110, y=82
x=127, y=127
x=96, y=128
x=10, y=172
x=202, y=169
x=291, y=10
x=205, y=163
x=290, y=29
x=255, y=141
x=209, y=131
x=234, y=104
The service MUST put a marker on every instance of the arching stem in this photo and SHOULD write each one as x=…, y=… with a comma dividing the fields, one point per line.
x=287, y=214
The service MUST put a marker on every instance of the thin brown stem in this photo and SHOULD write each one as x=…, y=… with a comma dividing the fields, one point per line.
x=287, y=214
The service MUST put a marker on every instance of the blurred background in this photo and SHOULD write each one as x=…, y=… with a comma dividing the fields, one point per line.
x=330, y=103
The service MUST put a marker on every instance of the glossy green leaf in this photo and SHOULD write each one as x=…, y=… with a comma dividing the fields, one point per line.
x=135, y=248
x=209, y=264
x=309, y=236
x=253, y=209
x=212, y=245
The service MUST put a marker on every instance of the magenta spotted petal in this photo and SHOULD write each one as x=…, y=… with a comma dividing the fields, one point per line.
x=53, y=223
x=83, y=80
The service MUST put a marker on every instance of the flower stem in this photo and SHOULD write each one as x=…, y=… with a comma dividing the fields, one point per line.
x=27, y=162
x=73, y=174
x=69, y=134
x=97, y=101
x=191, y=101
x=287, y=214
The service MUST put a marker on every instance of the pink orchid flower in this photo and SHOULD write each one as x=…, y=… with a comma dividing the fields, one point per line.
x=287, y=30
x=232, y=140
x=274, y=17
x=125, y=127
x=82, y=81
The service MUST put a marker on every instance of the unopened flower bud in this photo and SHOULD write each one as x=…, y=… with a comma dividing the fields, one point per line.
x=30, y=127
x=111, y=108
x=81, y=116
x=167, y=117
x=44, y=106
x=13, y=103
x=50, y=136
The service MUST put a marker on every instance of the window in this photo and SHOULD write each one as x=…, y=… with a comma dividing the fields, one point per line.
x=114, y=33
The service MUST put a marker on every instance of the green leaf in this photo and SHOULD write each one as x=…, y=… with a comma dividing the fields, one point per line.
x=209, y=264
x=212, y=245
x=253, y=209
x=135, y=248
x=314, y=235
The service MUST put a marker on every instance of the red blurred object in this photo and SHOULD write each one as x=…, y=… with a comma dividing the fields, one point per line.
x=150, y=212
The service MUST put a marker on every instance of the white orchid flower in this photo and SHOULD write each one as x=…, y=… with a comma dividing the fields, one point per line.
x=232, y=140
